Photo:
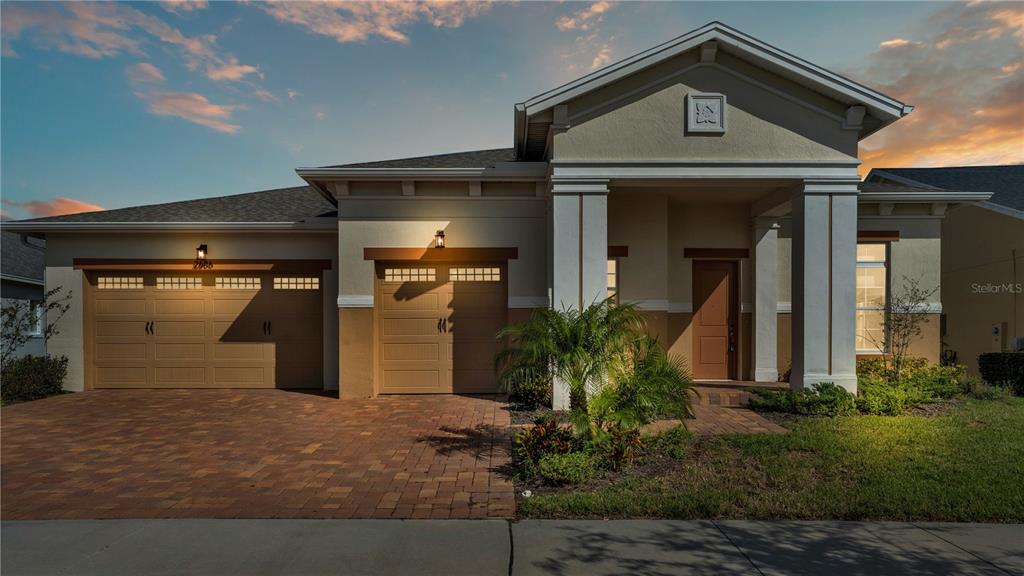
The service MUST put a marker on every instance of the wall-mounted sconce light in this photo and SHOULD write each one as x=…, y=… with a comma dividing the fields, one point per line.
x=202, y=257
x=439, y=239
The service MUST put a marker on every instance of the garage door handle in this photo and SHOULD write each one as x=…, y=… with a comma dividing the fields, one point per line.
x=270, y=327
x=264, y=327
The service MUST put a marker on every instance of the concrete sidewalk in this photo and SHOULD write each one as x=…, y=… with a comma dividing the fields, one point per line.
x=497, y=547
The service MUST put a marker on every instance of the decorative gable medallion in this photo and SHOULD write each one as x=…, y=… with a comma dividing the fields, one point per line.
x=705, y=112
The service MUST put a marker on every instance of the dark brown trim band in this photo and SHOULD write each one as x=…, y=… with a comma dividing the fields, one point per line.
x=213, y=265
x=878, y=235
x=442, y=254
x=717, y=253
x=618, y=251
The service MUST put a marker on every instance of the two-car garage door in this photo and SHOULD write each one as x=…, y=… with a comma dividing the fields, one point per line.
x=205, y=330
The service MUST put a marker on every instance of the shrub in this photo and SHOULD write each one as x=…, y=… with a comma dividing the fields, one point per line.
x=571, y=468
x=544, y=438
x=673, y=442
x=615, y=446
x=936, y=381
x=646, y=383
x=877, y=396
x=981, y=390
x=530, y=393
x=1003, y=369
x=32, y=377
x=824, y=399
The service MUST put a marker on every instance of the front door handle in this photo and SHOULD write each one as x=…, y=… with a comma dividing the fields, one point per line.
x=732, y=339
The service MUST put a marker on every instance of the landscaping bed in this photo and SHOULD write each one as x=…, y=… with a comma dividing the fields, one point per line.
x=963, y=463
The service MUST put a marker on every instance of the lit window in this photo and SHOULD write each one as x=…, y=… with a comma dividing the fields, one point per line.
x=238, y=283
x=36, y=315
x=410, y=274
x=179, y=283
x=296, y=283
x=119, y=283
x=613, y=278
x=474, y=274
x=872, y=292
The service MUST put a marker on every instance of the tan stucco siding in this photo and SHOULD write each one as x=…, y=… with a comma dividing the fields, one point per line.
x=62, y=249
x=978, y=280
x=631, y=121
x=640, y=222
x=473, y=223
x=705, y=226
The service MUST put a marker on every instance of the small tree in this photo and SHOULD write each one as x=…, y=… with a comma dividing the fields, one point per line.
x=906, y=313
x=19, y=318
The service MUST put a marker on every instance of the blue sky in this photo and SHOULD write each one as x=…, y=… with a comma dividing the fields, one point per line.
x=123, y=104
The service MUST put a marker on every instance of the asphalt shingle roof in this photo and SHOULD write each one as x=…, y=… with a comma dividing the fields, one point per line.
x=1005, y=182
x=19, y=259
x=891, y=187
x=470, y=159
x=280, y=205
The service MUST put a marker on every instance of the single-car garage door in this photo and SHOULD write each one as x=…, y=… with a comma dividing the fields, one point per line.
x=205, y=330
x=436, y=327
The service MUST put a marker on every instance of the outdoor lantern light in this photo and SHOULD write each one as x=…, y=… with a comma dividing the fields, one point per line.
x=439, y=239
x=202, y=261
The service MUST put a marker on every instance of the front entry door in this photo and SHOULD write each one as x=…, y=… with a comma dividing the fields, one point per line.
x=436, y=327
x=714, y=319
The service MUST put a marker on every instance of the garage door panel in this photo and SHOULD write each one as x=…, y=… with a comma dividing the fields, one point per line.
x=240, y=376
x=121, y=351
x=239, y=330
x=411, y=351
x=410, y=326
x=427, y=303
x=121, y=376
x=234, y=305
x=179, y=350
x=241, y=351
x=120, y=328
x=195, y=306
x=411, y=381
x=121, y=306
x=481, y=328
x=179, y=376
x=473, y=355
x=179, y=328
x=299, y=375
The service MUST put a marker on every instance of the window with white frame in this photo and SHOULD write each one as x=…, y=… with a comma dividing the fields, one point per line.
x=478, y=274
x=296, y=283
x=872, y=294
x=35, y=311
x=410, y=274
x=613, y=278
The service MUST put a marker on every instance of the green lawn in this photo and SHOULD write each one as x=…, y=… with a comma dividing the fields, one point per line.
x=967, y=465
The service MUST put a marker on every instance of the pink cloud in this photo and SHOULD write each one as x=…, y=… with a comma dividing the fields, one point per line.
x=107, y=29
x=194, y=108
x=144, y=73
x=968, y=105
x=55, y=207
x=586, y=18
x=358, y=21
x=179, y=6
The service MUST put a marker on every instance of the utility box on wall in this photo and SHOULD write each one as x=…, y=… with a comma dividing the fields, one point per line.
x=999, y=330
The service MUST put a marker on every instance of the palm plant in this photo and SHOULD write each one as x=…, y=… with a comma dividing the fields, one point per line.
x=574, y=347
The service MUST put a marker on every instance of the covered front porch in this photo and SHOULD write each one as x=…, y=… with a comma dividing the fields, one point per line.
x=748, y=274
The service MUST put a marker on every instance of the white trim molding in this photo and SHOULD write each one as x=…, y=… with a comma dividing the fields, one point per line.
x=680, y=307
x=999, y=208
x=784, y=307
x=355, y=301
x=845, y=170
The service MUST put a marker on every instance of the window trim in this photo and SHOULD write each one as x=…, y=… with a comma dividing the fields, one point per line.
x=36, y=309
x=887, y=266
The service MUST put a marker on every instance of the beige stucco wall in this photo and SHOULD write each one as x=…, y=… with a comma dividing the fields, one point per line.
x=639, y=220
x=978, y=280
x=62, y=249
x=643, y=117
x=918, y=254
x=467, y=222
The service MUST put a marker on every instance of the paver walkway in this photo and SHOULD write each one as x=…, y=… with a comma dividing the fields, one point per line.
x=254, y=454
x=721, y=409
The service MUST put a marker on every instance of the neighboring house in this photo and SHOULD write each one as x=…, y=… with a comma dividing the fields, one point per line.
x=21, y=278
x=982, y=257
x=711, y=179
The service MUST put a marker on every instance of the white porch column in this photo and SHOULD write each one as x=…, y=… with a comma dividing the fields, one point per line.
x=579, y=247
x=765, y=251
x=824, y=283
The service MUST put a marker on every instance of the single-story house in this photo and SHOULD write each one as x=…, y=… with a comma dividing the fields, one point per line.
x=21, y=280
x=711, y=179
x=982, y=257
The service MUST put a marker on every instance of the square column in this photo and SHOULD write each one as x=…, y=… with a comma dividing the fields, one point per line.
x=579, y=247
x=765, y=251
x=824, y=284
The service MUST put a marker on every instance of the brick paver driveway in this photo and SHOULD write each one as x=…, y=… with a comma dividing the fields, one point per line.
x=254, y=453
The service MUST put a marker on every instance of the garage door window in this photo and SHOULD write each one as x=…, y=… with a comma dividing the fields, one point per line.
x=179, y=283
x=487, y=274
x=410, y=274
x=296, y=283
x=119, y=283
x=238, y=283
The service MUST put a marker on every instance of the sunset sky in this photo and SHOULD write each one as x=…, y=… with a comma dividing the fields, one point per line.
x=111, y=105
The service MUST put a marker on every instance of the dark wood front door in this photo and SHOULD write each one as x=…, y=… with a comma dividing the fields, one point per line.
x=714, y=319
